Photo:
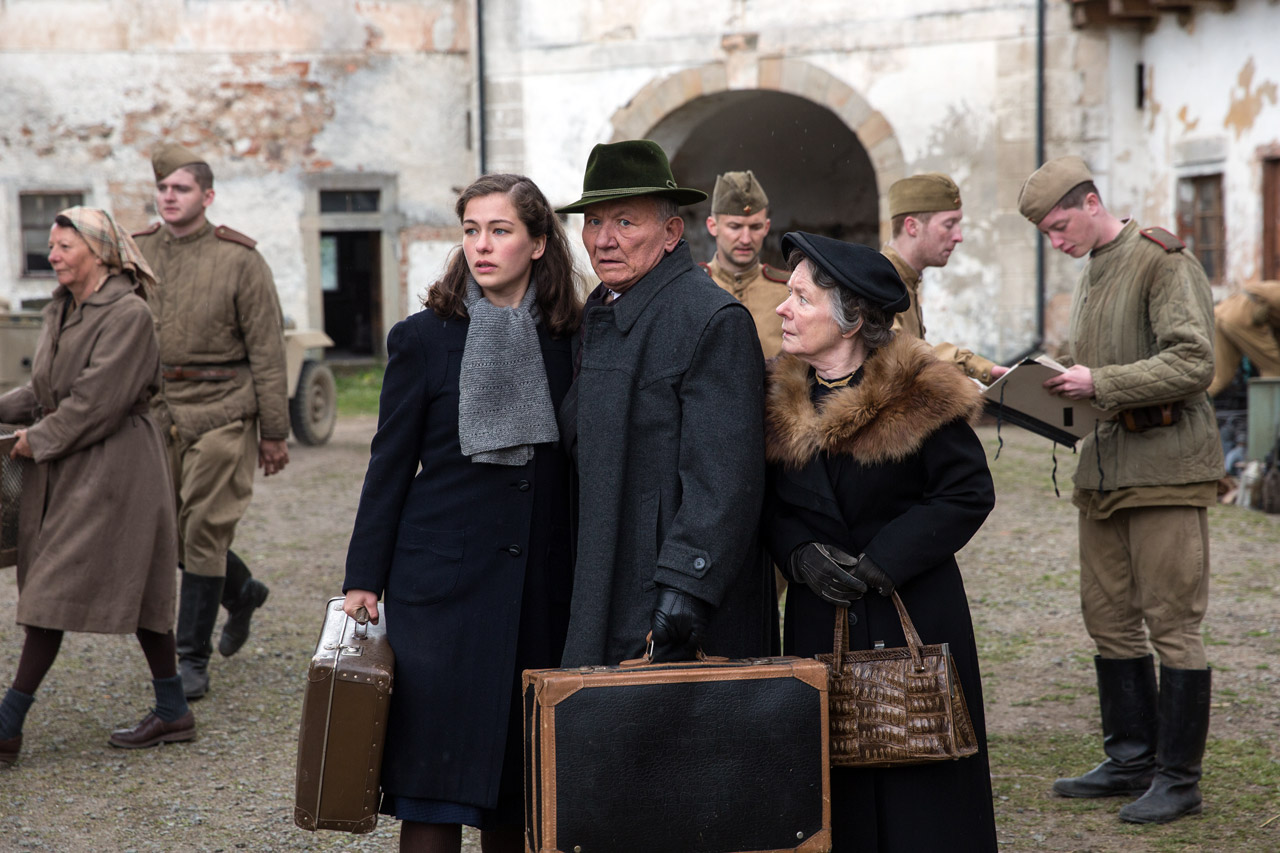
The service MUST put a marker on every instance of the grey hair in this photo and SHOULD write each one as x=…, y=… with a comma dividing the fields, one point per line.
x=848, y=309
x=665, y=207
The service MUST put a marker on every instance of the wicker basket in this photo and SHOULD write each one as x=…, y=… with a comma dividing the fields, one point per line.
x=10, y=496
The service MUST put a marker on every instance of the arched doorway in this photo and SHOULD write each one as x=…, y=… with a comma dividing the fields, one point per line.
x=816, y=172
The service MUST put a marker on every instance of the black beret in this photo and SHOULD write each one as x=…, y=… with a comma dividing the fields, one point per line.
x=859, y=268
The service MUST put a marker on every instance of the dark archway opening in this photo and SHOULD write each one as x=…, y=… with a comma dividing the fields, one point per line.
x=811, y=164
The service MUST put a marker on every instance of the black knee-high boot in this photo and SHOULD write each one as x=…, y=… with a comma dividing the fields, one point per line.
x=197, y=611
x=1127, y=696
x=242, y=594
x=1184, y=729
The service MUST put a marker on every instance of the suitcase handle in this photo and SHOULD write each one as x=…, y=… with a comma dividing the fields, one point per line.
x=647, y=658
x=362, y=622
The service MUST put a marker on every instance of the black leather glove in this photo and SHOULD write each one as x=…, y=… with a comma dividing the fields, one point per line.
x=872, y=575
x=827, y=571
x=678, y=623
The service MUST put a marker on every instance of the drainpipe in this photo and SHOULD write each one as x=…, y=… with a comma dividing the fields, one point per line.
x=1038, y=341
x=482, y=134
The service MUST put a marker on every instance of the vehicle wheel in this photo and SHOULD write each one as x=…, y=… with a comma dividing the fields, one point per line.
x=314, y=407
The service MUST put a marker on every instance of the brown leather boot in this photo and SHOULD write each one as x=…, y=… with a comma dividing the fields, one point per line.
x=153, y=730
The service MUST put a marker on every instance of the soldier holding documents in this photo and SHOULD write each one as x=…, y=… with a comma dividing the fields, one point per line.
x=1140, y=343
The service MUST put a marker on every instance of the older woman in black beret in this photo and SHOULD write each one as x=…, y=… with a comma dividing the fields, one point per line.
x=876, y=480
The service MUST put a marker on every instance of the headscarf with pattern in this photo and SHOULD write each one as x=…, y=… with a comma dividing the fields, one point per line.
x=113, y=246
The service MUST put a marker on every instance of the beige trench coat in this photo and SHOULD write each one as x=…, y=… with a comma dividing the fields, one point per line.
x=97, y=538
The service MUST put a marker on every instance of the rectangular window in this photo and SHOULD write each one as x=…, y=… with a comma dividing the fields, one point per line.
x=349, y=201
x=36, y=212
x=1200, y=222
x=1271, y=219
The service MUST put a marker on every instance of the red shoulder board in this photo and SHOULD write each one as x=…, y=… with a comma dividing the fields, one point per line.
x=774, y=274
x=231, y=235
x=146, y=232
x=1164, y=239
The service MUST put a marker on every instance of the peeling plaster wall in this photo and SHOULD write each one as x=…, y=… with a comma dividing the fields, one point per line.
x=270, y=92
x=1214, y=90
x=953, y=78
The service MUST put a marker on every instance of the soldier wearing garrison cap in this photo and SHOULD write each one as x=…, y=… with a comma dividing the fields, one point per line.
x=223, y=405
x=1139, y=346
x=739, y=222
x=925, y=213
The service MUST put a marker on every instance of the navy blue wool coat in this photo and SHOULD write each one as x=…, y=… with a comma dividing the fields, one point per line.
x=890, y=467
x=473, y=562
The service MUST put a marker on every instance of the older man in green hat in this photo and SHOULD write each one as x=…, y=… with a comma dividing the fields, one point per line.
x=739, y=222
x=1140, y=347
x=925, y=213
x=224, y=402
x=664, y=422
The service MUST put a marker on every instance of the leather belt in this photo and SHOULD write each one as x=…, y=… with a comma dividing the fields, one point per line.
x=198, y=372
x=1144, y=418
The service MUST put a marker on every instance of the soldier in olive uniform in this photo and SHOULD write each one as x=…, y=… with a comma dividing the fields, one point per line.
x=1140, y=349
x=739, y=222
x=925, y=212
x=223, y=405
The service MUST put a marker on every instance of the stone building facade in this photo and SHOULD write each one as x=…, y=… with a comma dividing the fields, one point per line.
x=340, y=131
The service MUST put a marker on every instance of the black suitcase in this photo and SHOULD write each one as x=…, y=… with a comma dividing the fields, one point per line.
x=703, y=757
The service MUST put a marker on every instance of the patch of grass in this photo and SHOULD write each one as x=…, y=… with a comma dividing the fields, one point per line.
x=1240, y=786
x=358, y=391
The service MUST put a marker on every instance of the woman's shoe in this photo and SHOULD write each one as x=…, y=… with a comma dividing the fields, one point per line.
x=153, y=730
x=9, y=749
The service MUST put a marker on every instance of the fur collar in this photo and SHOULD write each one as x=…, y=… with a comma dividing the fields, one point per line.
x=906, y=395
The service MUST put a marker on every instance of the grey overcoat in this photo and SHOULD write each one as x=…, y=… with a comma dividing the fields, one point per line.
x=667, y=414
x=97, y=535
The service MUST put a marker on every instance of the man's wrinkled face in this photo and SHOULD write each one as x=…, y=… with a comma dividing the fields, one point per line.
x=739, y=238
x=627, y=238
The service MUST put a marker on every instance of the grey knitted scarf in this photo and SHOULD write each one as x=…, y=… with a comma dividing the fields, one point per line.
x=504, y=402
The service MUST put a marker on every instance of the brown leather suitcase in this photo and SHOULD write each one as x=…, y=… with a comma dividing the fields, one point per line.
x=715, y=756
x=344, y=725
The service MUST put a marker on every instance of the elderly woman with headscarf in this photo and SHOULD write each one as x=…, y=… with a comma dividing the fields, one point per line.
x=97, y=537
x=876, y=480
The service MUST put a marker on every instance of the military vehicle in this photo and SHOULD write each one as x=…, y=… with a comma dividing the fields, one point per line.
x=313, y=398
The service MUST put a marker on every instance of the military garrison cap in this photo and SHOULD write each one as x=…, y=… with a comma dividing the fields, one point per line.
x=738, y=194
x=170, y=157
x=923, y=193
x=1047, y=185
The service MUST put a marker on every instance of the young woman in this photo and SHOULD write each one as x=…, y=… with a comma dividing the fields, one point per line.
x=463, y=524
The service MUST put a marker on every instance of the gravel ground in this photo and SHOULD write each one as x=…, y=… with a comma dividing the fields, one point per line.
x=232, y=789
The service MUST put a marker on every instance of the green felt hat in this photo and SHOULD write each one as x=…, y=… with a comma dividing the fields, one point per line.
x=628, y=169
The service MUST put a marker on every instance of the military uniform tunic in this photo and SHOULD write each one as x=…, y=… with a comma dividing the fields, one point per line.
x=216, y=305
x=762, y=289
x=216, y=311
x=1141, y=321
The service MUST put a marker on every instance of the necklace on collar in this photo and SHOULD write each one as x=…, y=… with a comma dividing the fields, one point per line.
x=833, y=383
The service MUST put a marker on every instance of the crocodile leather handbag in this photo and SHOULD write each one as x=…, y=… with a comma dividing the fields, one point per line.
x=892, y=707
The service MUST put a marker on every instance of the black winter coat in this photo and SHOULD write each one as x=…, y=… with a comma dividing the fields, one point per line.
x=462, y=553
x=667, y=414
x=890, y=467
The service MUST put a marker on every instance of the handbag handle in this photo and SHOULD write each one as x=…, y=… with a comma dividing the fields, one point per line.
x=914, y=644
